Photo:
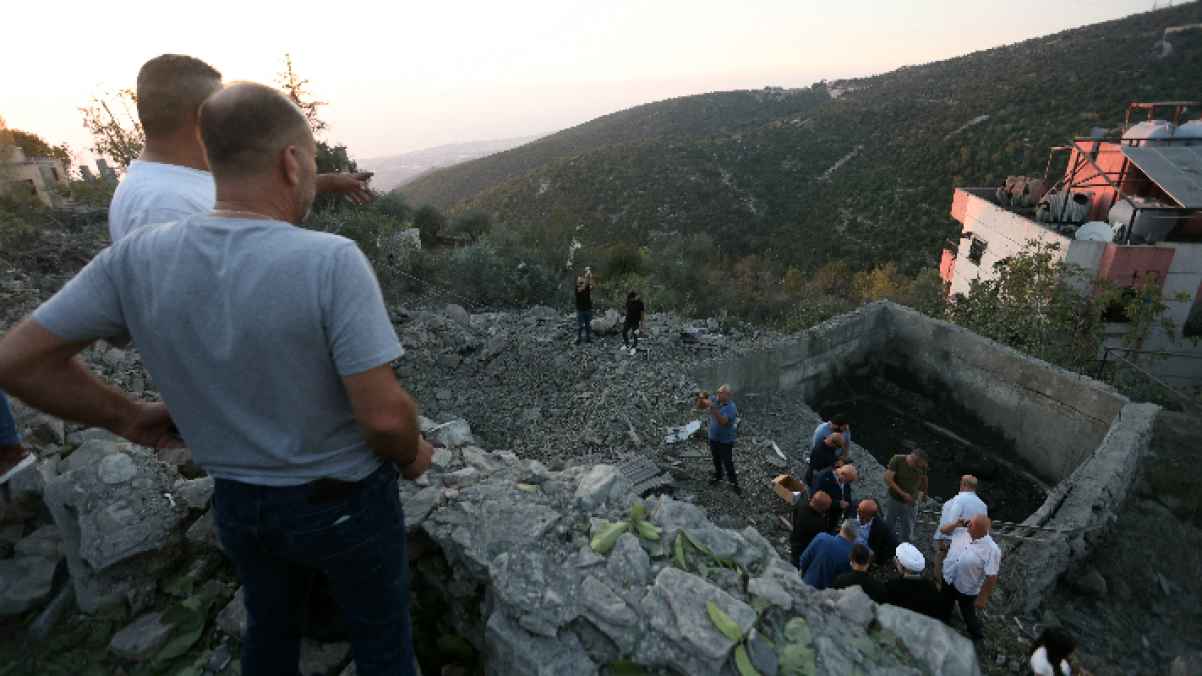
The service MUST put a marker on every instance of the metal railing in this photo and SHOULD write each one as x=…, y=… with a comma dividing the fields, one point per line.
x=1137, y=383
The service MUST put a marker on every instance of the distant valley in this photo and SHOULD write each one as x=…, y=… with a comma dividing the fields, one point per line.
x=393, y=171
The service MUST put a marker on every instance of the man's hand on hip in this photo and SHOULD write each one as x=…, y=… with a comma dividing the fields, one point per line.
x=150, y=424
x=421, y=462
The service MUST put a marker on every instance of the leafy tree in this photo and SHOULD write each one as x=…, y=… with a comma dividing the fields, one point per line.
x=296, y=88
x=430, y=222
x=35, y=146
x=116, y=132
x=473, y=224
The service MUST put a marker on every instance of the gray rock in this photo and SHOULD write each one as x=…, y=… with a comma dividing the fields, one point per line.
x=93, y=449
x=195, y=493
x=687, y=596
x=82, y=436
x=763, y=656
x=141, y=638
x=203, y=532
x=480, y=459
x=451, y=434
x=932, y=643
x=45, y=430
x=232, y=618
x=418, y=506
x=219, y=659
x=512, y=651
x=52, y=614
x=462, y=477
x=544, y=590
x=607, y=323
x=442, y=458
x=45, y=542
x=459, y=315
x=855, y=605
x=25, y=583
x=116, y=469
x=628, y=564
x=596, y=486
x=105, y=524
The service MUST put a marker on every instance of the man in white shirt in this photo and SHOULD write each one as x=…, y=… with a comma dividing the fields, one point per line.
x=956, y=511
x=970, y=572
x=170, y=180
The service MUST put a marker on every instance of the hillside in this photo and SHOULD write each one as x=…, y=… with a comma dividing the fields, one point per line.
x=392, y=171
x=859, y=170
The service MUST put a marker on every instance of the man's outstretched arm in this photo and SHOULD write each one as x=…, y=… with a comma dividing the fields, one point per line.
x=40, y=368
x=353, y=185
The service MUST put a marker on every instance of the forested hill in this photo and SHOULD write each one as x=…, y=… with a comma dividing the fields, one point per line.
x=859, y=170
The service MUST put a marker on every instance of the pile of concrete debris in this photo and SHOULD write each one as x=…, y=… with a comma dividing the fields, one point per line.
x=517, y=569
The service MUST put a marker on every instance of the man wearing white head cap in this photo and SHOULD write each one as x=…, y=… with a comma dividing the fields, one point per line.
x=913, y=591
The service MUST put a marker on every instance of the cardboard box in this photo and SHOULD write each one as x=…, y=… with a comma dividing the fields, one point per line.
x=788, y=488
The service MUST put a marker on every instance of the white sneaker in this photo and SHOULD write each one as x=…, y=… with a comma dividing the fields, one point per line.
x=633, y=351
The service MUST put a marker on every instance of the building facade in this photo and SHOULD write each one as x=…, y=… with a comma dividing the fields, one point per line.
x=1124, y=210
x=42, y=178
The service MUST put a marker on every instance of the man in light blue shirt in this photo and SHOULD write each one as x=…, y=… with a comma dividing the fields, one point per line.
x=723, y=430
x=271, y=347
x=955, y=515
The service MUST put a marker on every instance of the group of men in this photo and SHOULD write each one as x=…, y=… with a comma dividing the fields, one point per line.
x=831, y=551
x=271, y=347
x=632, y=324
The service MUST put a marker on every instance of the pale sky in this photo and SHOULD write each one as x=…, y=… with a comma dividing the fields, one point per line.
x=403, y=76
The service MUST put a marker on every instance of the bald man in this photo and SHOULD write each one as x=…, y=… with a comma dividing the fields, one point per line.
x=170, y=180
x=956, y=514
x=970, y=572
x=271, y=348
x=809, y=519
x=836, y=482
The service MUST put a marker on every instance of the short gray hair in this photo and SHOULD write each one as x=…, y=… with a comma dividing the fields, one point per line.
x=850, y=529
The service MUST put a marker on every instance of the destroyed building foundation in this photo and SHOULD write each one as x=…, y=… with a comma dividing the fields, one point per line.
x=1079, y=436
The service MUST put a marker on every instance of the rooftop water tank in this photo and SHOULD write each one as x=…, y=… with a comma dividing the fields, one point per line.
x=1096, y=231
x=1145, y=227
x=1147, y=133
x=1192, y=131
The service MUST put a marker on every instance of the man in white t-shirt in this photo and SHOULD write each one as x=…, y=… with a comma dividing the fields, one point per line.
x=170, y=180
x=956, y=513
x=970, y=572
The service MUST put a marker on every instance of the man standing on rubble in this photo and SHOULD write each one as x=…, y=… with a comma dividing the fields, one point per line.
x=723, y=429
x=970, y=572
x=906, y=479
x=223, y=306
x=584, y=306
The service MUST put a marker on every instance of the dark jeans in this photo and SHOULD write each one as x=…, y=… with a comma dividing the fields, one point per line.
x=724, y=457
x=968, y=609
x=632, y=331
x=354, y=533
x=8, y=426
x=584, y=324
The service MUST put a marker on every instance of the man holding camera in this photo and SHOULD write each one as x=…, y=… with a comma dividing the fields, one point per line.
x=723, y=429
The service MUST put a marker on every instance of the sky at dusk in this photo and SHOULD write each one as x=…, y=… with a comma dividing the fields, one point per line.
x=403, y=76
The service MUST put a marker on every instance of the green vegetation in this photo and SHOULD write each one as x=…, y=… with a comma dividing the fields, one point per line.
x=746, y=168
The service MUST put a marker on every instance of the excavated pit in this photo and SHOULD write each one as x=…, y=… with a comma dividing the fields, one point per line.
x=1055, y=450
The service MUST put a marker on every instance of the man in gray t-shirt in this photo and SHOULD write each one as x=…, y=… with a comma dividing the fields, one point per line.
x=271, y=348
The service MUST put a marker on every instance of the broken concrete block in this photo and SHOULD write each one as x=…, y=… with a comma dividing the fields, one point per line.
x=112, y=511
x=451, y=434
x=142, y=637
x=25, y=583
x=232, y=618
x=195, y=493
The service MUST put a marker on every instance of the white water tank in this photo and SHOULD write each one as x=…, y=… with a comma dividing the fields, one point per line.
x=1148, y=133
x=1191, y=131
x=1096, y=231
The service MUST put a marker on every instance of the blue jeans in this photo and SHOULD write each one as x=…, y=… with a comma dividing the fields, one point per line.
x=8, y=426
x=354, y=533
x=584, y=324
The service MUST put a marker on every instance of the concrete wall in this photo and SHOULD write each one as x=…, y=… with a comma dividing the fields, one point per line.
x=809, y=361
x=1054, y=417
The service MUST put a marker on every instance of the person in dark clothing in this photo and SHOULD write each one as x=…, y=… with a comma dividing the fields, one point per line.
x=912, y=590
x=584, y=306
x=859, y=577
x=836, y=482
x=1051, y=655
x=823, y=455
x=873, y=531
x=809, y=519
x=634, y=320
